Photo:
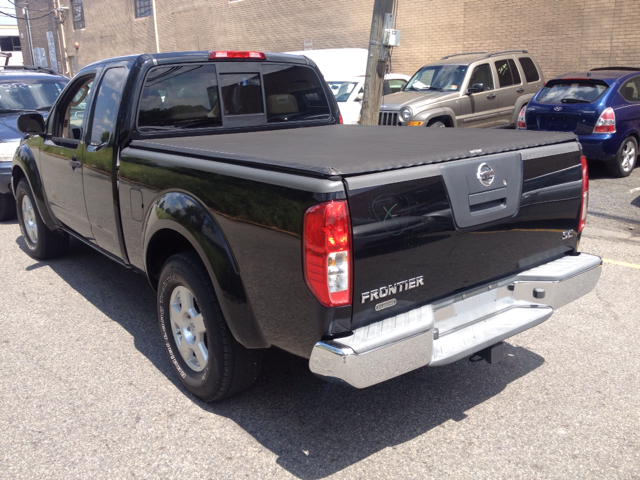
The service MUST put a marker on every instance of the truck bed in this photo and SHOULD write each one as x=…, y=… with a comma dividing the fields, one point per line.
x=345, y=150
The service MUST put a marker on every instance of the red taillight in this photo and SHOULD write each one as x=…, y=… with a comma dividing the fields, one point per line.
x=585, y=193
x=327, y=252
x=606, y=123
x=340, y=120
x=521, y=118
x=227, y=54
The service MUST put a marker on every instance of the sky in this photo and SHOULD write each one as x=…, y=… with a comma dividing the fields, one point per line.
x=6, y=6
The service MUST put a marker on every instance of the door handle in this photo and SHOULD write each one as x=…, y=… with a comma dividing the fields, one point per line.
x=520, y=90
x=491, y=96
x=75, y=163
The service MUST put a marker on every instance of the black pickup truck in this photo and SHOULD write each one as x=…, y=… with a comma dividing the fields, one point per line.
x=228, y=180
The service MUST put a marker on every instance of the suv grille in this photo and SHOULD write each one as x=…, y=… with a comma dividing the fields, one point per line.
x=388, y=118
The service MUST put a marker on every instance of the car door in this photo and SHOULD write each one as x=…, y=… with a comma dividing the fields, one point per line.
x=479, y=109
x=510, y=87
x=98, y=159
x=61, y=156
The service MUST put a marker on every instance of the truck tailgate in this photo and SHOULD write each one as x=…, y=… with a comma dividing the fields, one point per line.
x=423, y=233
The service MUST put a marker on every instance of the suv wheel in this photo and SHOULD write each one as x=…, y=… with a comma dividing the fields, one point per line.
x=437, y=124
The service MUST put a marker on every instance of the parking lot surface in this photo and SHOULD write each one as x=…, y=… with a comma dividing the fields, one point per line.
x=86, y=390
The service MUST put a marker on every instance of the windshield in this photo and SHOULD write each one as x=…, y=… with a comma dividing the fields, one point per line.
x=342, y=90
x=438, y=77
x=28, y=95
x=572, y=91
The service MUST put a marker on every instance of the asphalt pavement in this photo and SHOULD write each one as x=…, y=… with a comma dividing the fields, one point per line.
x=86, y=390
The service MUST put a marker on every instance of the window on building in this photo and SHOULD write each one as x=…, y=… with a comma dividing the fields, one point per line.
x=78, y=14
x=144, y=8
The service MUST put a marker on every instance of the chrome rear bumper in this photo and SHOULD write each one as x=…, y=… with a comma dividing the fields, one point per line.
x=455, y=327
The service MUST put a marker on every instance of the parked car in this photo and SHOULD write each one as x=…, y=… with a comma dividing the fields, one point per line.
x=602, y=107
x=349, y=93
x=22, y=89
x=475, y=89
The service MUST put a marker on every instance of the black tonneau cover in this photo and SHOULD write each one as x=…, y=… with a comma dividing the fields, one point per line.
x=352, y=149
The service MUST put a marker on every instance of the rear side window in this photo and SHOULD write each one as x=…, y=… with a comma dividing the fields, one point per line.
x=572, y=91
x=507, y=73
x=631, y=90
x=180, y=97
x=105, y=111
x=293, y=93
x=529, y=69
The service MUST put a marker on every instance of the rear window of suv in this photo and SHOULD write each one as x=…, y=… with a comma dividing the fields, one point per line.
x=190, y=96
x=572, y=91
x=529, y=69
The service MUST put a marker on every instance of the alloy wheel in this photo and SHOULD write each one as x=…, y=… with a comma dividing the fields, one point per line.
x=29, y=219
x=189, y=331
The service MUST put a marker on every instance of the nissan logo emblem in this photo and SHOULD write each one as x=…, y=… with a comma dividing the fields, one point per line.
x=485, y=174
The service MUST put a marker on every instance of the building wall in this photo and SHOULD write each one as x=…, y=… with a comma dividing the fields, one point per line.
x=564, y=35
x=39, y=29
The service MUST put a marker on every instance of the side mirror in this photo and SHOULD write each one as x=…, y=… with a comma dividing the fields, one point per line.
x=359, y=97
x=475, y=88
x=31, y=123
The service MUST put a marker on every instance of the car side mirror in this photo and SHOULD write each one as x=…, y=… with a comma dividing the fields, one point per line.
x=359, y=97
x=31, y=123
x=475, y=88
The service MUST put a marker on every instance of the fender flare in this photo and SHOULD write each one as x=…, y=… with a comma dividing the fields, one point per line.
x=427, y=115
x=183, y=214
x=25, y=162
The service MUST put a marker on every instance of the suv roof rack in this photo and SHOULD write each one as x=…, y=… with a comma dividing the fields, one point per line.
x=505, y=51
x=628, y=69
x=31, y=68
x=460, y=54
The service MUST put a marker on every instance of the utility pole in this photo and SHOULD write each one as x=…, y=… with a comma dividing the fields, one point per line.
x=376, y=64
x=65, y=57
x=25, y=12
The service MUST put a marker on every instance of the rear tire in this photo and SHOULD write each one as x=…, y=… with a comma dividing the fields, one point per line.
x=7, y=207
x=625, y=159
x=209, y=361
x=41, y=242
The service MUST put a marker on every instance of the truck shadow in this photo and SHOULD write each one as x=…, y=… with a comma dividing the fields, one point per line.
x=315, y=428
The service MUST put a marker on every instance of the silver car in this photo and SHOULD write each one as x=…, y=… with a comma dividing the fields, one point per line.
x=475, y=89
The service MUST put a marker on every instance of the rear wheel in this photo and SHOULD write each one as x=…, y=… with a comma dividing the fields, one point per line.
x=41, y=242
x=7, y=207
x=208, y=360
x=625, y=159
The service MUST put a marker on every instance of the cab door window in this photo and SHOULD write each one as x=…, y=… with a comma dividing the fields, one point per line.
x=72, y=111
x=482, y=74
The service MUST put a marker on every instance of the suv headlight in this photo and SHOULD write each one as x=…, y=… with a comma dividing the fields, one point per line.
x=406, y=114
x=8, y=150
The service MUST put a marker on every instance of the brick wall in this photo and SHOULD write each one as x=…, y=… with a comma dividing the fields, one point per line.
x=564, y=35
x=41, y=22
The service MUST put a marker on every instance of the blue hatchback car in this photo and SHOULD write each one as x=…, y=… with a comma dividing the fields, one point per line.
x=602, y=107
